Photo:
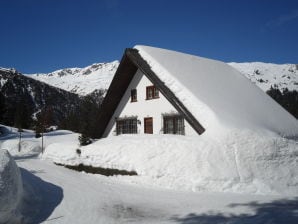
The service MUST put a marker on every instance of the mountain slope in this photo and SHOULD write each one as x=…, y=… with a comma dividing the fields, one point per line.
x=81, y=81
x=266, y=75
x=26, y=97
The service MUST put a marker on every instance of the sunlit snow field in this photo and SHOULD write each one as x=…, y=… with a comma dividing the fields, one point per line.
x=180, y=180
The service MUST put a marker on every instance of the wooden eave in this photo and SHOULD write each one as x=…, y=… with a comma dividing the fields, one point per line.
x=130, y=63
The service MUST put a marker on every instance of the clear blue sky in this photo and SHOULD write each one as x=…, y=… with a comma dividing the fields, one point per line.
x=46, y=35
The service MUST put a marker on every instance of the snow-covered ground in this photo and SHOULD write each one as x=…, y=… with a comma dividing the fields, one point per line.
x=11, y=189
x=54, y=194
x=231, y=164
x=65, y=196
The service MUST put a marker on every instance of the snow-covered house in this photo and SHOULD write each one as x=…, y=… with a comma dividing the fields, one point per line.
x=158, y=91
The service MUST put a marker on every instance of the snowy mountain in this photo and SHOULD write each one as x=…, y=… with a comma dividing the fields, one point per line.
x=266, y=75
x=26, y=97
x=81, y=81
x=84, y=81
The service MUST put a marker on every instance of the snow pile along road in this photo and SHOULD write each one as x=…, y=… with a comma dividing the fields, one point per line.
x=231, y=163
x=11, y=189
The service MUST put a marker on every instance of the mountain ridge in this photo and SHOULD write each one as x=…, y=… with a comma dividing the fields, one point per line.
x=265, y=75
x=81, y=81
x=84, y=81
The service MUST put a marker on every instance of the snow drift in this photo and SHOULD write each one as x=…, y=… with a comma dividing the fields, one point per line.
x=232, y=163
x=11, y=189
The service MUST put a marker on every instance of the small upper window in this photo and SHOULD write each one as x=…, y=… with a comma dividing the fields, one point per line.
x=133, y=95
x=151, y=93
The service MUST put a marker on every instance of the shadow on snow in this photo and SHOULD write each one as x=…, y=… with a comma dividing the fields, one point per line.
x=41, y=198
x=275, y=212
x=25, y=157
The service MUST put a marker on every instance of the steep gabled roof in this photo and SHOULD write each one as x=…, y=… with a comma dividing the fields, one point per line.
x=130, y=63
x=210, y=94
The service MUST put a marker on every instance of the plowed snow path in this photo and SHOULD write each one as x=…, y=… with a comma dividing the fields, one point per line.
x=59, y=195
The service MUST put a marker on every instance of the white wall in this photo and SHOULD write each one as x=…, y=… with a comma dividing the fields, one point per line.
x=143, y=108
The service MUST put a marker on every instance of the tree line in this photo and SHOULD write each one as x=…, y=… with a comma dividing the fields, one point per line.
x=81, y=118
x=287, y=99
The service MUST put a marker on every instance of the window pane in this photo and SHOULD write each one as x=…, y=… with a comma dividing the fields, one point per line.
x=133, y=94
x=126, y=126
x=180, y=126
x=156, y=93
x=150, y=95
x=168, y=125
x=174, y=125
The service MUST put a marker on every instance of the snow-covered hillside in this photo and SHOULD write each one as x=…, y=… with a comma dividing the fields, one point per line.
x=27, y=97
x=81, y=81
x=266, y=75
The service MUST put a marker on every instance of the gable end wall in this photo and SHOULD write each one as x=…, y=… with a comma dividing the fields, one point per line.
x=130, y=63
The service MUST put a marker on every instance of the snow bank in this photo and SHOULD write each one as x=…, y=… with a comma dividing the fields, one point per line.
x=9, y=140
x=31, y=146
x=11, y=189
x=218, y=95
x=232, y=163
x=28, y=147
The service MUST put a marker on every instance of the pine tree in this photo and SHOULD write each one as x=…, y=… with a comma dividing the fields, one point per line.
x=2, y=107
x=22, y=115
x=287, y=99
x=84, y=140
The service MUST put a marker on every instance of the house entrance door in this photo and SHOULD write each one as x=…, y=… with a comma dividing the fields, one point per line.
x=148, y=125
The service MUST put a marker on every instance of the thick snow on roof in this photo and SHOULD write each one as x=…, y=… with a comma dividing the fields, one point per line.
x=218, y=95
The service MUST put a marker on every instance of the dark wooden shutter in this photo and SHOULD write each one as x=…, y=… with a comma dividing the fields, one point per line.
x=148, y=125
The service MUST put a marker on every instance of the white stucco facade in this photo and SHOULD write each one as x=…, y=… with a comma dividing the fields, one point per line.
x=143, y=108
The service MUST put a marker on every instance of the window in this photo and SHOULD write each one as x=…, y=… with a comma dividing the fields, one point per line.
x=173, y=124
x=133, y=95
x=126, y=126
x=151, y=93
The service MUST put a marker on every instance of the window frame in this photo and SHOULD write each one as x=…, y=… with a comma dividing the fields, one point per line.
x=176, y=123
x=154, y=92
x=133, y=95
x=127, y=125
